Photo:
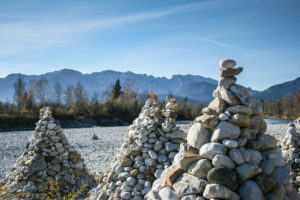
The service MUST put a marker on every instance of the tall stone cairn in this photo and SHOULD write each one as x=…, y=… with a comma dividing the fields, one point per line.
x=48, y=157
x=291, y=151
x=227, y=155
x=148, y=149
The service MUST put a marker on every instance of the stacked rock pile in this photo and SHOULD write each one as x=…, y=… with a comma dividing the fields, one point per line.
x=48, y=159
x=227, y=155
x=291, y=151
x=149, y=148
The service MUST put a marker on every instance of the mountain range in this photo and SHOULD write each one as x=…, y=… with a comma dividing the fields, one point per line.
x=196, y=88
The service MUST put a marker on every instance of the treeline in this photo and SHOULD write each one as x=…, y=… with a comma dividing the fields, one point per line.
x=117, y=102
x=286, y=107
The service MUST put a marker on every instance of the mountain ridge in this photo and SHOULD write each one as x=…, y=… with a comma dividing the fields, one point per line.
x=196, y=87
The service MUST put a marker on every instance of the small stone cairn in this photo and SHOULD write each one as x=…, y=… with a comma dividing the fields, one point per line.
x=148, y=149
x=227, y=155
x=291, y=151
x=48, y=157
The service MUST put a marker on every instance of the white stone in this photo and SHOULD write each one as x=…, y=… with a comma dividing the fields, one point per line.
x=198, y=135
x=227, y=63
x=221, y=160
x=230, y=143
x=210, y=150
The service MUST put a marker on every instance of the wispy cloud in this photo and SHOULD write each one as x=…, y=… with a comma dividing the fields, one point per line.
x=222, y=44
x=32, y=34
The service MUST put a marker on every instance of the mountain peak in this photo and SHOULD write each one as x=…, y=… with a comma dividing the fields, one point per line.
x=66, y=72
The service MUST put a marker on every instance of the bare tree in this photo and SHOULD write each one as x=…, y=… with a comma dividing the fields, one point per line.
x=95, y=98
x=296, y=103
x=129, y=94
x=19, y=87
x=80, y=94
x=106, y=93
x=32, y=89
x=58, y=92
x=69, y=95
x=41, y=90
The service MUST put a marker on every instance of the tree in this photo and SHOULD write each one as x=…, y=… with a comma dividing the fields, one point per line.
x=116, y=90
x=41, y=90
x=95, y=98
x=69, y=95
x=19, y=87
x=81, y=100
x=28, y=101
x=154, y=96
x=32, y=90
x=57, y=92
x=296, y=103
x=80, y=95
x=186, y=100
x=128, y=93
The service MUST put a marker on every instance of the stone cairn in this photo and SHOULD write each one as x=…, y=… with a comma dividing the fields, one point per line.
x=227, y=155
x=48, y=157
x=291, y=151
x=150, y=147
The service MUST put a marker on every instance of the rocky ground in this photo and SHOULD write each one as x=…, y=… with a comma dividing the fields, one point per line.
x=96, y=153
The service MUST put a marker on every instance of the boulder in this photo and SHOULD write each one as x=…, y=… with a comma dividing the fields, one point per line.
x=250, y=191
x=218, y=191
x=200, y=168
x=225, y=130
x=188, y=184
x=210, y=150
x=198, y=135
x=247, y=171
x=223, y=176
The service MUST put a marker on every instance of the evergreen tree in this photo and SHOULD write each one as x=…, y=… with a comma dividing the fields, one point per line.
x=116, y=90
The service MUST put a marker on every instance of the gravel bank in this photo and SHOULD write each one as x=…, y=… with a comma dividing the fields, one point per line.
x=96, y=153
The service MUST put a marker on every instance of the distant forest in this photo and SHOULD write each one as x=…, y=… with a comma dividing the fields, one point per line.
x=117, y=103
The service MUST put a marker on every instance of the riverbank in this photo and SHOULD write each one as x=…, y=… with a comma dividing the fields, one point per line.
x=97, y=153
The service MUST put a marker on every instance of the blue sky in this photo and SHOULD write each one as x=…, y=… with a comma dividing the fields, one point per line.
x=161, y=38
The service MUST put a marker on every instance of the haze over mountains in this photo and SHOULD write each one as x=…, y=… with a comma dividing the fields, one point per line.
x=195, y=87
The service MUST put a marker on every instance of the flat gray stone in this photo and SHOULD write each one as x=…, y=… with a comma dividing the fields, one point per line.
x=239, y=109
x=221, y=160
x=247, y=171
x=236, y=156
x=225, y=130
x=210, y=150
x=200, y=168
x=241, y=93
x=188, y=184
x=227, y=63
x=218, y=191
x=168, y=194
x=228, y=97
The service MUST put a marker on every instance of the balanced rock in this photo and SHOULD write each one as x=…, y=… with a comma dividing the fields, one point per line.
x=237, y=159
x=149, y=148
x=48, y=159
x=290, y=148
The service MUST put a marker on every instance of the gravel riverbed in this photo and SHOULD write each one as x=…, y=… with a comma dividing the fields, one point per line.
x=96, y=153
